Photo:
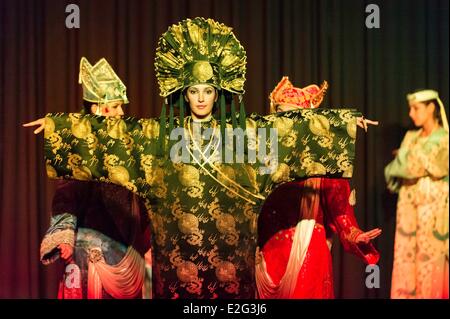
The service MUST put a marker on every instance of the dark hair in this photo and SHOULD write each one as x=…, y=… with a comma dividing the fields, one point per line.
x=437, y=110
x=87, y=107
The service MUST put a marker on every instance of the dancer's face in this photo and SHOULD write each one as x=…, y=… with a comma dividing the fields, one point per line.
x=201, y=98
x=420, y=113
x=109, y=109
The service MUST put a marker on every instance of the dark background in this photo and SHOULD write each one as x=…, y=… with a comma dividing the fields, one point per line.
x=311, y=41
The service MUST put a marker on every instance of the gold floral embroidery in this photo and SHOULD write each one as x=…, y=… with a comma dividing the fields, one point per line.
x=281, y=174
x=81, y=127
x=319, y=125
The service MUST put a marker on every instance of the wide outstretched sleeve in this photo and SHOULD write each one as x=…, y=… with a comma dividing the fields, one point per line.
x=307, y=143
x=114, y=150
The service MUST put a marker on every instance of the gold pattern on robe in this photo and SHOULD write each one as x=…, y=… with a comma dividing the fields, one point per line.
x=213, y=257
x=176, y=209
x=230, y=174
x=188, y=223
x=226, y=224
x=283, y=125
x=155, y=178
x=251, y=174
x=116, y=127
x=187, y=271
x=312, y=168
x=344, y=163
x=319, y=125
x=316, y=168
x=326, y=141
x=55, y=141
x=351, y=128
x=92, y=142
x=150, y=128
x=51, y=172
x=118, y=175
x=81, y=127
x=79, y=171
x=289, y=139
x=281, y=174
x=111, y=160
x=49, y=127
x=214, y=208
x=226, y=273
x=188, y=176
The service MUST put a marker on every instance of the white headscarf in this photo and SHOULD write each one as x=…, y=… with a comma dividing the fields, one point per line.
x=427, y=95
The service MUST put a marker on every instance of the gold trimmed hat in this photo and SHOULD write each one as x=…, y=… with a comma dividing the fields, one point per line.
x=100, y=83
x=308, y=97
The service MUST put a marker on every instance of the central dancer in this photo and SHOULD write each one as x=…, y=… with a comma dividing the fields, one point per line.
x=204, y=212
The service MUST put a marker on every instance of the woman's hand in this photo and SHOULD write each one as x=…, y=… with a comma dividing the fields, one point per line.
x=363, y=123
x=66, y=251
x=368, y=236
x=40, y=122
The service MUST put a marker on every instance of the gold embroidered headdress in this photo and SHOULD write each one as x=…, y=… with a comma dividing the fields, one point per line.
x=200, y=51
x=100, y=83
x=428, y=95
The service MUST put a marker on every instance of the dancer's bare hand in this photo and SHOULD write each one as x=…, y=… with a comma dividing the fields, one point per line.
x=368, y=236
x=66, y=251
x=364, y=123
x=40, y=122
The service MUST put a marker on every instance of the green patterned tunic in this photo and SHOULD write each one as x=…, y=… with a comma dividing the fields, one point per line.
x=203, y=213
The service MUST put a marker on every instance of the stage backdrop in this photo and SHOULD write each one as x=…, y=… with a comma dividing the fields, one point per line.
x=315, y=40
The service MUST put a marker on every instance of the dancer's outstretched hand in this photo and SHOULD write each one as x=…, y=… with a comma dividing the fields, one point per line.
x=368, y=236
x=66, y=251
x=40, y=122
x=363, y=122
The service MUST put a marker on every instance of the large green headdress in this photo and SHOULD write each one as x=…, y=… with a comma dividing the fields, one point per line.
x=200, y=51
x=100, y=83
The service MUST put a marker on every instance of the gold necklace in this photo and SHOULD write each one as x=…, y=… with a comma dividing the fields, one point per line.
x=210, y=141
x=207, y=160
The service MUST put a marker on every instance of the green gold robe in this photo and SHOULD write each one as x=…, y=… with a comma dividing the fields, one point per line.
x=203, y=215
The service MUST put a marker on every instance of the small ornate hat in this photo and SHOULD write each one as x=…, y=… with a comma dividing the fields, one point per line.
x=308, y=97
x=100, y=83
